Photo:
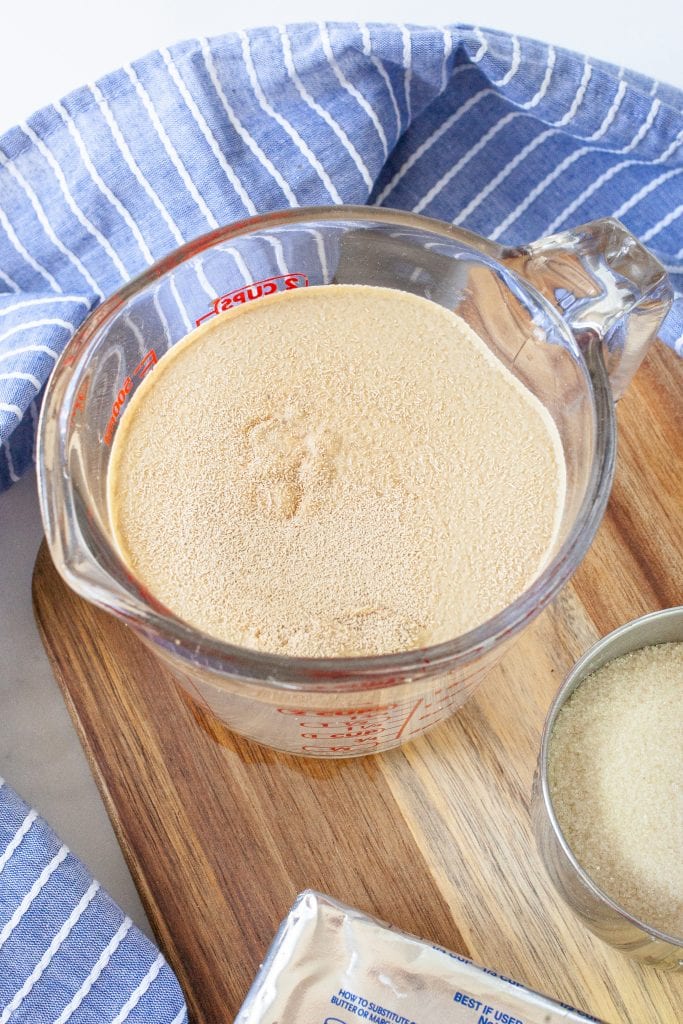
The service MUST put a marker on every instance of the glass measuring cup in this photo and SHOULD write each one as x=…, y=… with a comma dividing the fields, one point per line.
x=571, y=316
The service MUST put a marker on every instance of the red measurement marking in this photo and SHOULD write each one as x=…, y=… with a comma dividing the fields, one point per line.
x=79, y=403
x=145, y=364
x=143, y=367
x=337, y=712
x=237, y=297
x=348, y=730
x=412, y=712
x=73, y=350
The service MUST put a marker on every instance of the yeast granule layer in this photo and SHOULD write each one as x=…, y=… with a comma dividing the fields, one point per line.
x=336, y=470
x=615, y=771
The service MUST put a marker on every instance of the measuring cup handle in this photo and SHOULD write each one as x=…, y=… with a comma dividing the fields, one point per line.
x=605, y=285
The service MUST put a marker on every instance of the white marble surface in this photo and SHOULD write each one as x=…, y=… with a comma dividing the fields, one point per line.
x=40, y=754
x=49, y=47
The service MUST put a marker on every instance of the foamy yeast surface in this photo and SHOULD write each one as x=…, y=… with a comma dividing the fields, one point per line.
x=336, y=470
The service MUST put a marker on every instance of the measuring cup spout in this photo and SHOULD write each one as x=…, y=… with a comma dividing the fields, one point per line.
x=606, y=285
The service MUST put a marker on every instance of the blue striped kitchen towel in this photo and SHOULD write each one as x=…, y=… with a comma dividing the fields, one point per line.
x=506, y=136
x=67, y=953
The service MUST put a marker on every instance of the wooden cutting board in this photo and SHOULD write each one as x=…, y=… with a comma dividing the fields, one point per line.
x=220, y=834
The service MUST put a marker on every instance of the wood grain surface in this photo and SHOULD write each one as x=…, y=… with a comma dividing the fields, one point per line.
x=220, y=834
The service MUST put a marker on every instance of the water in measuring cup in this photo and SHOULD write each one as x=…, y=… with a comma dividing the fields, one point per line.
x=333, y=471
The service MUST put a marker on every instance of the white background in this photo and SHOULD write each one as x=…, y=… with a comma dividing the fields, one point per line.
x=49, y=48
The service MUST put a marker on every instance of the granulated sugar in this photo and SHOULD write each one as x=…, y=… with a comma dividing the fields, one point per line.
x=335, y=470
x=616, y=781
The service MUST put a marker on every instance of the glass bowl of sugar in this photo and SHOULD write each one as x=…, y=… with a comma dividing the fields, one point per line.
x=607, y=804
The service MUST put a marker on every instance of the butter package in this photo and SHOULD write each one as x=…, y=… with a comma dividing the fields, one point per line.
x=329, y=964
